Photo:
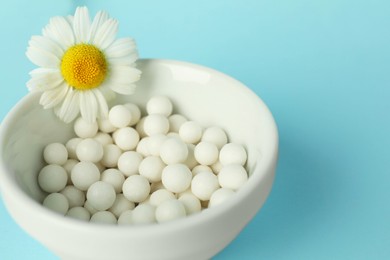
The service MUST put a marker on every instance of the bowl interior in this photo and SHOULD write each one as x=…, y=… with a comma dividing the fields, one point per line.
x=203, y=95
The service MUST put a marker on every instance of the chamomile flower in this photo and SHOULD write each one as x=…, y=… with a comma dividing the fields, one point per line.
x=81, y=63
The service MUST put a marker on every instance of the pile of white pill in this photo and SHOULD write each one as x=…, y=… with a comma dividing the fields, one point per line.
x=129, y=169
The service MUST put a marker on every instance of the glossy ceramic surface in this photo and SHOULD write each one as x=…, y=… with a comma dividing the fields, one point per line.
x=203, y=95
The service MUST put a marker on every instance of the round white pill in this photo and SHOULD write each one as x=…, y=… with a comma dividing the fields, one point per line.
x=111, y=154
x=121, y=204
x=191, y=161
x=190, y=132
x=113, y=177
x=75, y=196
x=105, y=126
x=55, y=153
x=103, y=138
x=191, y=203
x=135, y=113
x=144, y=214
x=52, y=178
x=176, y=177
x=129, y=162
x=151, y=168
x=204, y=184
x=232, y=176
x=101, y=195
x=68, y=166
x=172, y=134
x=126, y=138
x=156, y=124
x=71, y=146
x=187, y=191
x=104, y=217
x=219, y=196
x=56, y=202
x=175, y=122
x=201, y=168
x=126, y=218
x=89, y=150
x=119, y=116
x=143, y=147
x=206, y=153
x=216, y=167
x=173, y=150
x=136, y=188
x=145, y=201
x=84, y=174
x=159, y=105
x=154, y=144
x=84, y=129
x=140, y=127
x=79, y=213
x=215, y=135
x=159, y=196
x=170, y=210
x=232, y=154
x=89, y=207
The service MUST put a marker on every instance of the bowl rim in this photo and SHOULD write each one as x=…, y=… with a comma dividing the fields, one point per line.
x=9, y=185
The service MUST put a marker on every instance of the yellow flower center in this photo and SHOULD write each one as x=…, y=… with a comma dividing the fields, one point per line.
x=84, y=66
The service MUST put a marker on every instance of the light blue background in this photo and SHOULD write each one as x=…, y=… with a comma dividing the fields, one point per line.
x=323, y=68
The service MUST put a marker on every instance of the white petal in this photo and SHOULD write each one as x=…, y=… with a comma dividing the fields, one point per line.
x=40, y=72
x=124, y=74
x=123, y=88
x=70, y=19
x=42, y=58
x=121, y=47
x=44, y=79
x=46, y=44
x=100, y=18
x=107, y=92
x=102, y=103
x=81, y=25
x=88, y=106
x=128, y=60
x=69, y=109
x=60, y=31
x=105, y=35
x=53, y=97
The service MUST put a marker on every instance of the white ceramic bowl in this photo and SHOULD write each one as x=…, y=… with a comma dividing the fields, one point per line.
x=204, y=95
